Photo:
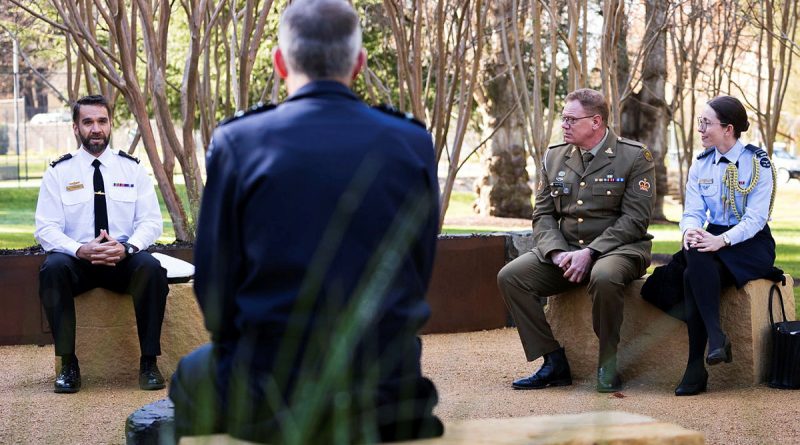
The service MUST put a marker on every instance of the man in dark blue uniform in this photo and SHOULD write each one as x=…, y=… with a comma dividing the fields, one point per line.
x=314, y=250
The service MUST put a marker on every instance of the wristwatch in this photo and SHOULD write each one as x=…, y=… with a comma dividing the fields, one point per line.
x=726, y=239
x=130, y=249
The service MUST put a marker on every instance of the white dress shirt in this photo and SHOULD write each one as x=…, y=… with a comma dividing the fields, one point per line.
x=65, y=209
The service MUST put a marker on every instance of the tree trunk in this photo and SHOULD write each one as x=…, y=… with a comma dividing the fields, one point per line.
x=645, y=114
x=503, y=189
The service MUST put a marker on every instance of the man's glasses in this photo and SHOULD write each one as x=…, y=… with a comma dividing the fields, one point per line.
x=570, y=120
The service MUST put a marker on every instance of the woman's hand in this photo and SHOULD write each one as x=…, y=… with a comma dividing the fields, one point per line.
x=692, y=236
x=704, y=241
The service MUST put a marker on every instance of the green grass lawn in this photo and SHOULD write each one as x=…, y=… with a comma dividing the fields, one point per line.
x=17, y=207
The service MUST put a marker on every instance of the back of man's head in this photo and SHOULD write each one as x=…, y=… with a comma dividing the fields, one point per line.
x=320, y=38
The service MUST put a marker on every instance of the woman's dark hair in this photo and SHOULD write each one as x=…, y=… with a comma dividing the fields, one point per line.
x=730, y=112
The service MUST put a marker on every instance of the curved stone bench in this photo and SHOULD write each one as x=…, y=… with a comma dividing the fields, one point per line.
x=597, y=427
x=106, y=341
x=654, y=346
x=153, y=423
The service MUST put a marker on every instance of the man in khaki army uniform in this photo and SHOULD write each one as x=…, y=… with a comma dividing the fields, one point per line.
x=593, y=204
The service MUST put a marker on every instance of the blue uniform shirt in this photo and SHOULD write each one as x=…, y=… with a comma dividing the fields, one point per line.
x=705, y=190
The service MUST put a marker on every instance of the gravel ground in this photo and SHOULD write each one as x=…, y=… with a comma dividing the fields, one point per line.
x=472, y=371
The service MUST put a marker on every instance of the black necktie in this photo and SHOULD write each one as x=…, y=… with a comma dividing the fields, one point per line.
x=100, y=210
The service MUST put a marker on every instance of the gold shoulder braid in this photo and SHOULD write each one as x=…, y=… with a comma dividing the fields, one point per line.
x=731, y=182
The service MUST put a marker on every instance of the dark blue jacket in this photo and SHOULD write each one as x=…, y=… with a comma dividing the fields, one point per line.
x=316, y=239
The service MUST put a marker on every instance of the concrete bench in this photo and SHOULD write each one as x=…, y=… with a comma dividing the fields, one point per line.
x=654, y=346
x=575, y=429
x=106, y=341
x=154, y=423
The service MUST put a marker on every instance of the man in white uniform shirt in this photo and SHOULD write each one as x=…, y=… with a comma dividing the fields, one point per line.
x=97, y=213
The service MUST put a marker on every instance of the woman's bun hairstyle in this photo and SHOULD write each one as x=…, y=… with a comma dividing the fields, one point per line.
x=730, y=112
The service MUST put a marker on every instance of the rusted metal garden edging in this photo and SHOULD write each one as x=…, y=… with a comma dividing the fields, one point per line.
x=463, y=292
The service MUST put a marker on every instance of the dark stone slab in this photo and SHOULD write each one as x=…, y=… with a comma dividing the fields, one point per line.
x=152, y=424
x=518, y=243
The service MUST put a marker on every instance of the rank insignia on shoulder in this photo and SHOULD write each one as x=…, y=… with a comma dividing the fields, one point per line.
x=647, y=155
x=61, y=159
x=644, y=185
x=255, y=109
x=390, y=110
x=630, y=142
x=765, y=162
x=125, y=155
x=758, y=152
x=706, y=153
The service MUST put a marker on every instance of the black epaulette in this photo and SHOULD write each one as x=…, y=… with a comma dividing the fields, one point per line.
x=705, y=153
x=758, y=151
x=630, y=142
x=255, y=109
x=125, y=155
x=388, y=109
x=557, y=145
x=760, y=154
x=62, y=158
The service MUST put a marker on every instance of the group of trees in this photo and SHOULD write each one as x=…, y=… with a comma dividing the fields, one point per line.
x=500, y=68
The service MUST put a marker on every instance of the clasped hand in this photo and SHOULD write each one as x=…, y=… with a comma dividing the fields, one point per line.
x=576, y=265
x=702, y=241
x=102, y=251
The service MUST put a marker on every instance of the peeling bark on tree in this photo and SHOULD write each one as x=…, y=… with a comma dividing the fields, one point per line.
x=503, y=190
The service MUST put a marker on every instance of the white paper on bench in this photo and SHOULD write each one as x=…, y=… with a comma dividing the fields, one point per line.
x=176, y=268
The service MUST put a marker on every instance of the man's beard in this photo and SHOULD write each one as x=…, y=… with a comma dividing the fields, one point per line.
x=94, y=148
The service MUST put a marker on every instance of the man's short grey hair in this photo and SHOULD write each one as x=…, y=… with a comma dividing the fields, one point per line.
x=320, y=38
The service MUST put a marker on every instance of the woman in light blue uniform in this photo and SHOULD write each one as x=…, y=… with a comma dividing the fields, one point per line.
x=730, y=187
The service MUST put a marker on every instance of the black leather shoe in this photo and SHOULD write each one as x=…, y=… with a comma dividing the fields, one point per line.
x=691, y=385
x=719, y=355
x=150, y=377
x=608, y=380
x=69, y=379
x=554, y=372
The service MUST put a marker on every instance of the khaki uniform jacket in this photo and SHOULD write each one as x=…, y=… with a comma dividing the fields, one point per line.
x=606, y=208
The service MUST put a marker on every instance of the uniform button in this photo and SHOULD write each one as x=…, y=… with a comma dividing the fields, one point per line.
x=580, y=202
x=608, y=192
x=580, y=220
x=583, y=184
x=580, y=241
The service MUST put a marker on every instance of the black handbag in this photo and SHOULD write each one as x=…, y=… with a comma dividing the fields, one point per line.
x=784, y=368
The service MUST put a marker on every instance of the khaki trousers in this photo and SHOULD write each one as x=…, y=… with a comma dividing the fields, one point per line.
x=526, y=282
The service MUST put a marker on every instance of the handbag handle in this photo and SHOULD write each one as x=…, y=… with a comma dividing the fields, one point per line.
x=772, y=291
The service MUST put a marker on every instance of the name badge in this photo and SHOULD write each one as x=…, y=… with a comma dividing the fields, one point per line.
x=706, y=181
x=75, y=185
